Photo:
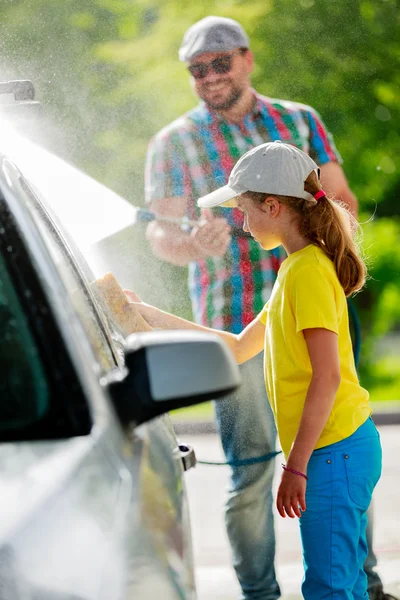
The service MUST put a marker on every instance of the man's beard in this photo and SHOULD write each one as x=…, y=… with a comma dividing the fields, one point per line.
x=232, y=99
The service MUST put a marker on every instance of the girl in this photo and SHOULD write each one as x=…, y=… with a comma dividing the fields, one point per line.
x=331, y=446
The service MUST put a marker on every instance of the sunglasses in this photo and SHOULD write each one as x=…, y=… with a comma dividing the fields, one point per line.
x=222, y=64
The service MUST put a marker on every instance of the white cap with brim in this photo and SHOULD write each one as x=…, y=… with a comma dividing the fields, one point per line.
x=271, y=168
x=225, y=196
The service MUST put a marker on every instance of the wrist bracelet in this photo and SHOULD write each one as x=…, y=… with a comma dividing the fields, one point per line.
x=285, y=468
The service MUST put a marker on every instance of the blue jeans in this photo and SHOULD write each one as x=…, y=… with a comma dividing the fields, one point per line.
x=246, y=427
x=341, y=479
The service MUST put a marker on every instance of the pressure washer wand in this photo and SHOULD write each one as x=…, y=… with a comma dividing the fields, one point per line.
x=143, y=215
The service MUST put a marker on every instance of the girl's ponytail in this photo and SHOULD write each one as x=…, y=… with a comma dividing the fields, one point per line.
x=330, y=226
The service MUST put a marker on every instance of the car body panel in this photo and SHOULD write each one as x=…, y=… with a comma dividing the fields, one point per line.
x=102, y=515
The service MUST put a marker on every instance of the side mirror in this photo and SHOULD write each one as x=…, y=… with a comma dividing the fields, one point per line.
x=167, y=370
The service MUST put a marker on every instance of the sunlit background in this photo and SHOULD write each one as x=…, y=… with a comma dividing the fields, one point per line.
x=108, y=77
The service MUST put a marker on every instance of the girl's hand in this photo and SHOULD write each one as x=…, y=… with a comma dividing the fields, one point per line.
x=141, y=307
x=153, y=316
x=133, y=297
x=291, y=495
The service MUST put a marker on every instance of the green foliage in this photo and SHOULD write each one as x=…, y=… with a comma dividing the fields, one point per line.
x=383, y=291
x=108, y=74
x=379, y=306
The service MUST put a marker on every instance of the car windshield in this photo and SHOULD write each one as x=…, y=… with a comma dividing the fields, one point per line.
x=23, y=384
x=76, y=275
x=88, y=210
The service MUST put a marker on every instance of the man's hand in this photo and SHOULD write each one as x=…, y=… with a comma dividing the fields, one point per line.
x=291, y=495
x=212, y=236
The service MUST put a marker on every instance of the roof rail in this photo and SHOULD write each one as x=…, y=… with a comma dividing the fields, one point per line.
x=22, y=89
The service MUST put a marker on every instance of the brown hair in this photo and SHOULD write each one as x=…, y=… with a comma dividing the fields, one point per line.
x=330, y=226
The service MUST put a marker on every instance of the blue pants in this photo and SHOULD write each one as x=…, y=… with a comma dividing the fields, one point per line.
x=246, y=426
x=341, y=479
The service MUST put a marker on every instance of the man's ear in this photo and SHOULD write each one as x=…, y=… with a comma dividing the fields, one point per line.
x=250, y=61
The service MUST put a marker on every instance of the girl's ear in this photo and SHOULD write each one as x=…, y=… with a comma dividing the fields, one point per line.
x=271, y=206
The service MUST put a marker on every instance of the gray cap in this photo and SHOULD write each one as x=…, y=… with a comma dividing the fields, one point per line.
x=212, y=34
x=272, y=168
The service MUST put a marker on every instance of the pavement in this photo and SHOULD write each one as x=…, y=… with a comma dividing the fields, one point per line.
x=206, y=489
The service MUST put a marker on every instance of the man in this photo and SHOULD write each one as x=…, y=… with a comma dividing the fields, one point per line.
x=230, y=276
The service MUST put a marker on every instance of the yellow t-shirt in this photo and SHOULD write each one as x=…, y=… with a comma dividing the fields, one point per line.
x=307, y=294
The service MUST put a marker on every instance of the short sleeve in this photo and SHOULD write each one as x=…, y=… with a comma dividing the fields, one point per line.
x=313, y=297
x=164, y=172
x=262, y=316
x=322, y=146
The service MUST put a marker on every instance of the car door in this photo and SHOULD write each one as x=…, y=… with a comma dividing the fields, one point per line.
x=106, y=514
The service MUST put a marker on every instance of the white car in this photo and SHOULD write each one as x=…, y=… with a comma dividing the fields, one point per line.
x=93, y=503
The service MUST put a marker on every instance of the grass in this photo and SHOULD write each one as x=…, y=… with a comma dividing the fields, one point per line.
x=194, y=414
x=383, y=381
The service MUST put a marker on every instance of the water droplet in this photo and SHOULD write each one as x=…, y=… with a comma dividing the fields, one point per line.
x=382, y=113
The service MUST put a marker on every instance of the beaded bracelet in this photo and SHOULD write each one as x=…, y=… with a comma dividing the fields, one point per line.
x=285, y=468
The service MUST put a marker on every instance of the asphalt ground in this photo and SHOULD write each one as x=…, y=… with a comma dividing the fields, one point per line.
x=206, y=489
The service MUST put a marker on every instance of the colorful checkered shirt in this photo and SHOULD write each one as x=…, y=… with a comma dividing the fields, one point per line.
x=193, y=156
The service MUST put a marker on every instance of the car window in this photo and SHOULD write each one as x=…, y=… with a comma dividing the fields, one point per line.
x=41, y=396
x=76, y=277
x=23, y=386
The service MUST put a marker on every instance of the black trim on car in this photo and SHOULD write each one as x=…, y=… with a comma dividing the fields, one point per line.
x=68, y=414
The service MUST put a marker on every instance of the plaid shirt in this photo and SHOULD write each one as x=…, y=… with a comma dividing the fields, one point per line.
x=193, y=156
